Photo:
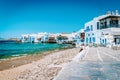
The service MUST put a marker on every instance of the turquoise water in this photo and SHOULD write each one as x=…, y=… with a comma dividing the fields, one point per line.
x=11, y=49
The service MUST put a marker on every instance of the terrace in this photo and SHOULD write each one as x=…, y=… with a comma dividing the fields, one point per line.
x=110, y=22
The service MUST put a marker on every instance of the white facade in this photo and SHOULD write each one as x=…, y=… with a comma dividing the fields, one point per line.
x=45, y=37
x=79, y=39
x=68, y=37
x=103, y=30
x=35, y=38
x=25, y=37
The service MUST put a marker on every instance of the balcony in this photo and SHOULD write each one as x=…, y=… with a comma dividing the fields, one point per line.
x=110, y=26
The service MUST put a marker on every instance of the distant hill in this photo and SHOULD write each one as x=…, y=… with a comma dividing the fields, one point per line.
x=1, y=38
x=10, y=40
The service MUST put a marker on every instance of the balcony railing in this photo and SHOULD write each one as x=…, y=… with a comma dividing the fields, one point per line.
x=110, y=26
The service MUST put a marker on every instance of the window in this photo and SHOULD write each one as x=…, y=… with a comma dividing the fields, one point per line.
x=86, y=40
x=93, y=39
x=101, y=25
x=97, y=25
x=105, y=24
x=90, y=40
x=91, y=28
x=88, y=34
x=114, y=23
x=103, y=40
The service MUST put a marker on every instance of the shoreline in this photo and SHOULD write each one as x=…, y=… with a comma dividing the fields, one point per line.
x=21, y=49
x=45, y=68
x=16, y=61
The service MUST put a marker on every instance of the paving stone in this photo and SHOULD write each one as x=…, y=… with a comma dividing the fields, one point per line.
x=91, y=68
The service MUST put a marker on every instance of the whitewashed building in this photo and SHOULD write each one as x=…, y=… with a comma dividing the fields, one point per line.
x=35, y=38
x=80, y=37
x=103, y=30
x=25, y=38
x=52, y=38
x=65, y=37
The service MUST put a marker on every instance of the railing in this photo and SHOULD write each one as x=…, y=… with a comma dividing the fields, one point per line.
x=110, y=26
x=115, y=25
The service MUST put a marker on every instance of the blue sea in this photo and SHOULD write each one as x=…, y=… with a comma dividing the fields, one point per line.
x=12, y=49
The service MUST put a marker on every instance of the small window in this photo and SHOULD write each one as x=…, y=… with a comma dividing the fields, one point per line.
x=86, y=40
x=88, y=34
x=97, y=25
x=90, y=40
x=91, y=27
x=93, y=39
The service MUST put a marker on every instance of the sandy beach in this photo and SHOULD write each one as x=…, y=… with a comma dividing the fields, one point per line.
x=44, y=67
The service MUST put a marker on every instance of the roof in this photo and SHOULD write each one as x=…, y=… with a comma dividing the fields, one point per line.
x=110, y=16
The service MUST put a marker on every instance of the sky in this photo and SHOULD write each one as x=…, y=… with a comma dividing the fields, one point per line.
x=55, y=16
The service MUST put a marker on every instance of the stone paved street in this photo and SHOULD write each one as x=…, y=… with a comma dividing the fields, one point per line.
x=99, y=64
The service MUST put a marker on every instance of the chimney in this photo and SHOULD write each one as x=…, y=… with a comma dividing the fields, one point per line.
x=108, y=13
x=117, y=13
x=113, y=13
